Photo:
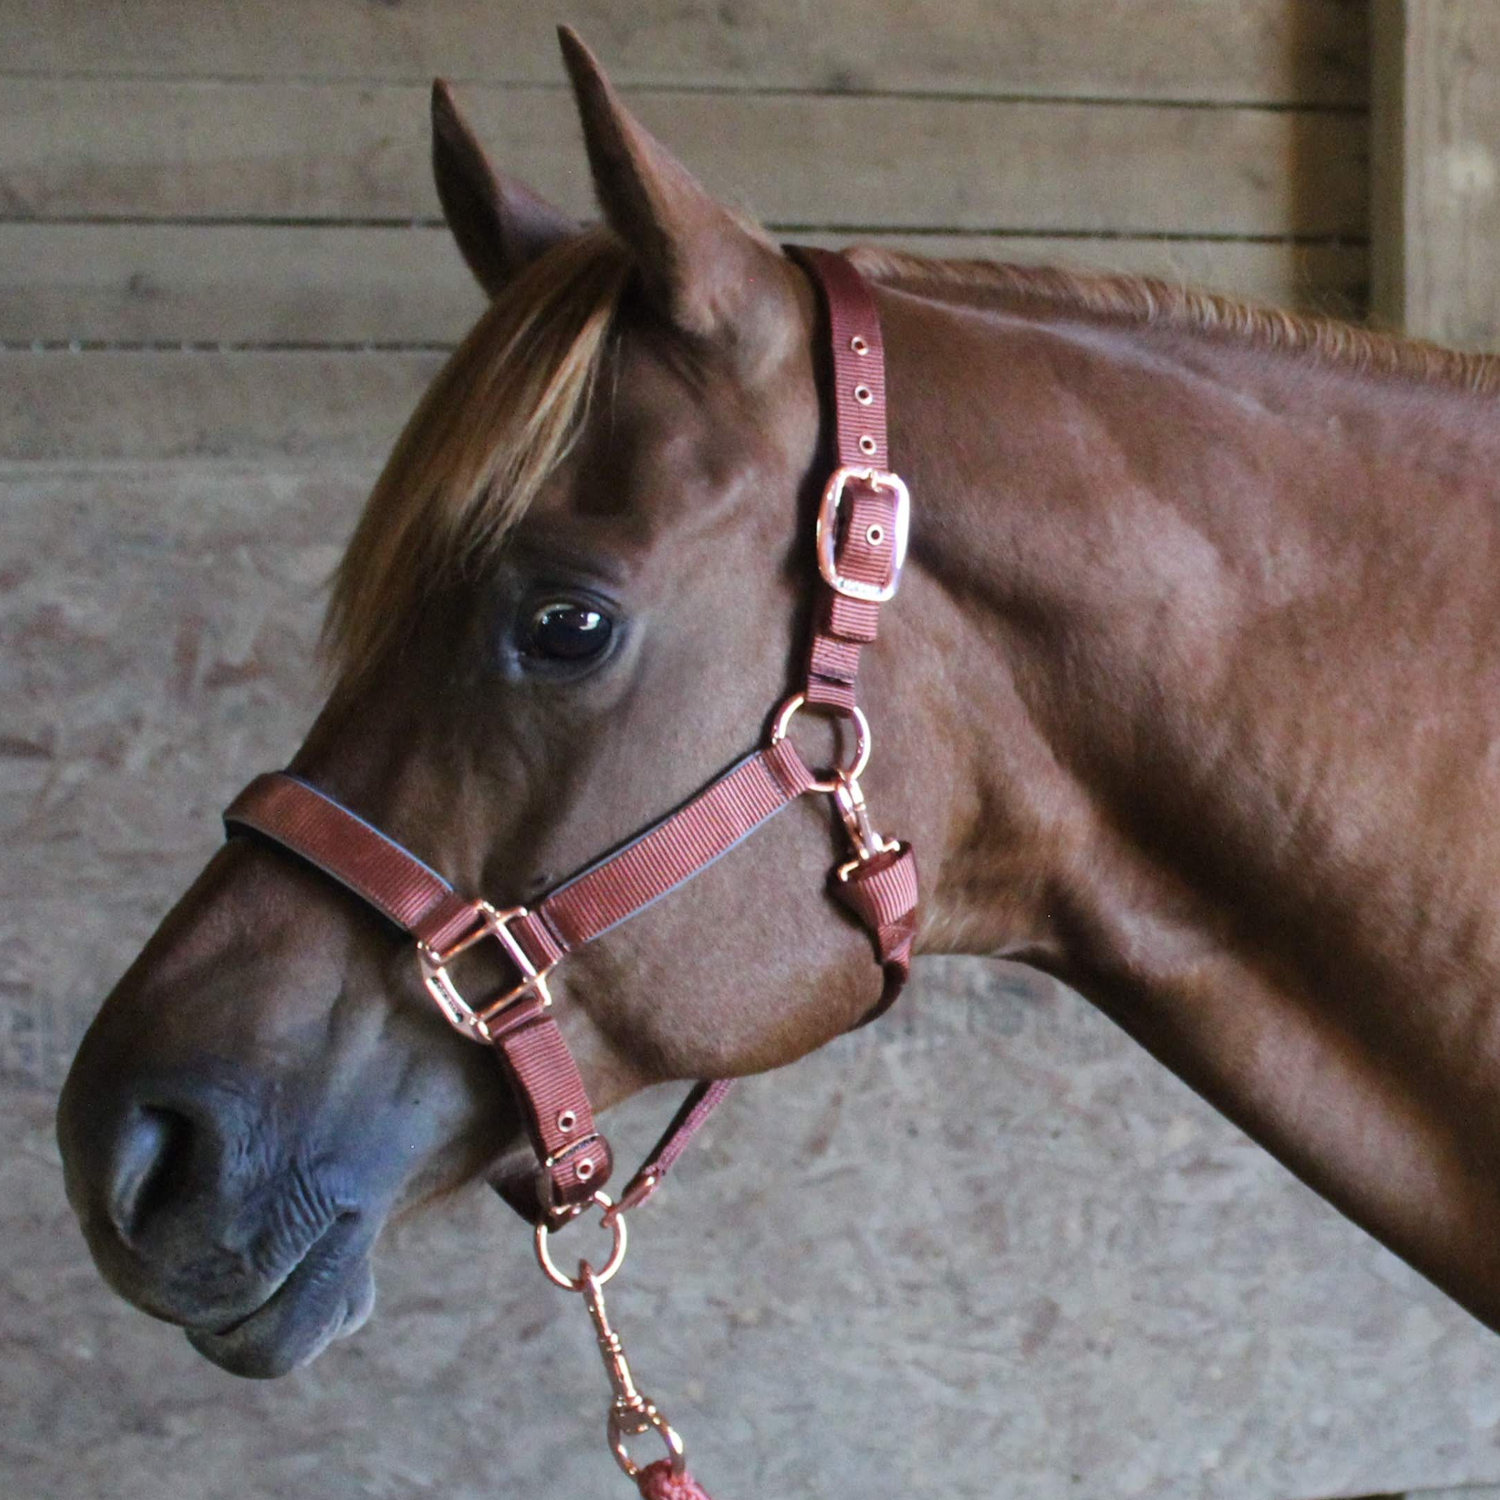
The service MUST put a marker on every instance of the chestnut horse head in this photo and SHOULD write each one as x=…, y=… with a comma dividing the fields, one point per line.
x=1190, y=698
x=575, y=593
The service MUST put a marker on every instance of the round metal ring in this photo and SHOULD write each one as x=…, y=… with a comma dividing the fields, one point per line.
x=648, y=1418
x=829, y=784
x=616, y=1253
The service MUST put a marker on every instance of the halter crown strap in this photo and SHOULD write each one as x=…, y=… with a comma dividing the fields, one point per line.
x=863, y=525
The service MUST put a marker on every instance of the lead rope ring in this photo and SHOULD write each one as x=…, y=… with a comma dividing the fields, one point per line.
x=630, y=1413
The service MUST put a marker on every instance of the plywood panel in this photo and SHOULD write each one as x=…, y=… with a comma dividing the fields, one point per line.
x=314, y=284
x=1280, y=51
x=337, y=152
x=1087, y=1287
x=1438, y=177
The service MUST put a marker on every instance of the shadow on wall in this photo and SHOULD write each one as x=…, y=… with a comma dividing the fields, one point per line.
x=1309, y=69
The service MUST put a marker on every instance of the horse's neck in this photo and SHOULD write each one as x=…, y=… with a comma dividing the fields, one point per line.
x=1241, y=770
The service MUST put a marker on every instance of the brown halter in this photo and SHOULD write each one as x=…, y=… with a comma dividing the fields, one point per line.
x=862, y=531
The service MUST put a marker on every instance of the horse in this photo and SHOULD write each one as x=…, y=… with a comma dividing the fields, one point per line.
x=1190, y=699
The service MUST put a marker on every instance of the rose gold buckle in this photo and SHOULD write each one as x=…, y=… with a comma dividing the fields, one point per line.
x=557, y=1214
x=828, y=526
x=463, y=1017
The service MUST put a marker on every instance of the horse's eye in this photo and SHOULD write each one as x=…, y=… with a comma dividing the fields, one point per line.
x=565, y=630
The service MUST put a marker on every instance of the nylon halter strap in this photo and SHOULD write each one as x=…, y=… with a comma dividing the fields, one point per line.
x=861, y=543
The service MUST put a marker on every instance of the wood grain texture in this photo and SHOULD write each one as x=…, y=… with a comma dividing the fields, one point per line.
x=1269, y=51
x=1090, y=1288
x=333, y=152
x=341, y=285
x=1437, y=131
x=116, y=404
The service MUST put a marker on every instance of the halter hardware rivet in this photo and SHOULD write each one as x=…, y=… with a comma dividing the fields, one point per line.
x=875, y=536
x=585, y=1170
x=859, y=345
x=867, y=445
x=566, y=1121
x=863, y=394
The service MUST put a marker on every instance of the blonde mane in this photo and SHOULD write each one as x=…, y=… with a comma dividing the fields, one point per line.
x=501, y=415
x=1147, y=300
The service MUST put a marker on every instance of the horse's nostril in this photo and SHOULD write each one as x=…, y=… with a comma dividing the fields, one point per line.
x=149, y=1161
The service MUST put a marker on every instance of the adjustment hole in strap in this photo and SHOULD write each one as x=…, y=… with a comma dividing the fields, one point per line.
x=867, y=445
x=859, y=344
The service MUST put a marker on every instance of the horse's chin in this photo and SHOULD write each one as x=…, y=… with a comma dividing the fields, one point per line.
x=327, y=1297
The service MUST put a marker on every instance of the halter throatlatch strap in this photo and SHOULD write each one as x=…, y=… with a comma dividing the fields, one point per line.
x=864, y=522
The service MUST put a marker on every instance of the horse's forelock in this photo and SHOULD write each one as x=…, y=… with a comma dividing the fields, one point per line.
x=500, y=416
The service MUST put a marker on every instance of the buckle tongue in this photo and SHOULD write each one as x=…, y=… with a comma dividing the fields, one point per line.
x=476, y=1023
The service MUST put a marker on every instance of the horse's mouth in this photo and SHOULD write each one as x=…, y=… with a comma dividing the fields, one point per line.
x=327, y=1294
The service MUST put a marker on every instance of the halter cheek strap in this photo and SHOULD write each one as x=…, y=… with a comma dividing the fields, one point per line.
x=861, y=538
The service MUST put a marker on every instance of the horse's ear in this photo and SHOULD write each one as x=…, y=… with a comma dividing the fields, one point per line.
x=703, y=266
x=499, y=223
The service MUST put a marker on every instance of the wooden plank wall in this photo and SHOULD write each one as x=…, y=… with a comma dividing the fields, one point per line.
x=1436, y=177
x=218, y=234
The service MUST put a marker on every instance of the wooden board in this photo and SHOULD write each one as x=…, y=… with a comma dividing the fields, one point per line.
x=116, y=404
x=1276, y=51
x=81, y=149
x=354, y=285
x=1437, y=176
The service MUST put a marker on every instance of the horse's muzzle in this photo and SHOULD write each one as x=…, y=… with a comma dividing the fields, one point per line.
x=198, y=1214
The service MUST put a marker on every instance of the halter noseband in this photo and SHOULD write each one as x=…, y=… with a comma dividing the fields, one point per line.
x=862, y=529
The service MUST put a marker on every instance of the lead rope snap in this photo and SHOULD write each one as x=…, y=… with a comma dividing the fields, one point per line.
x=631, y=1414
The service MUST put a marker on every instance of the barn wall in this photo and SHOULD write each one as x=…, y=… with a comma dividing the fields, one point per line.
x=233, y=196
x=1436, y=169
x=222, y=286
